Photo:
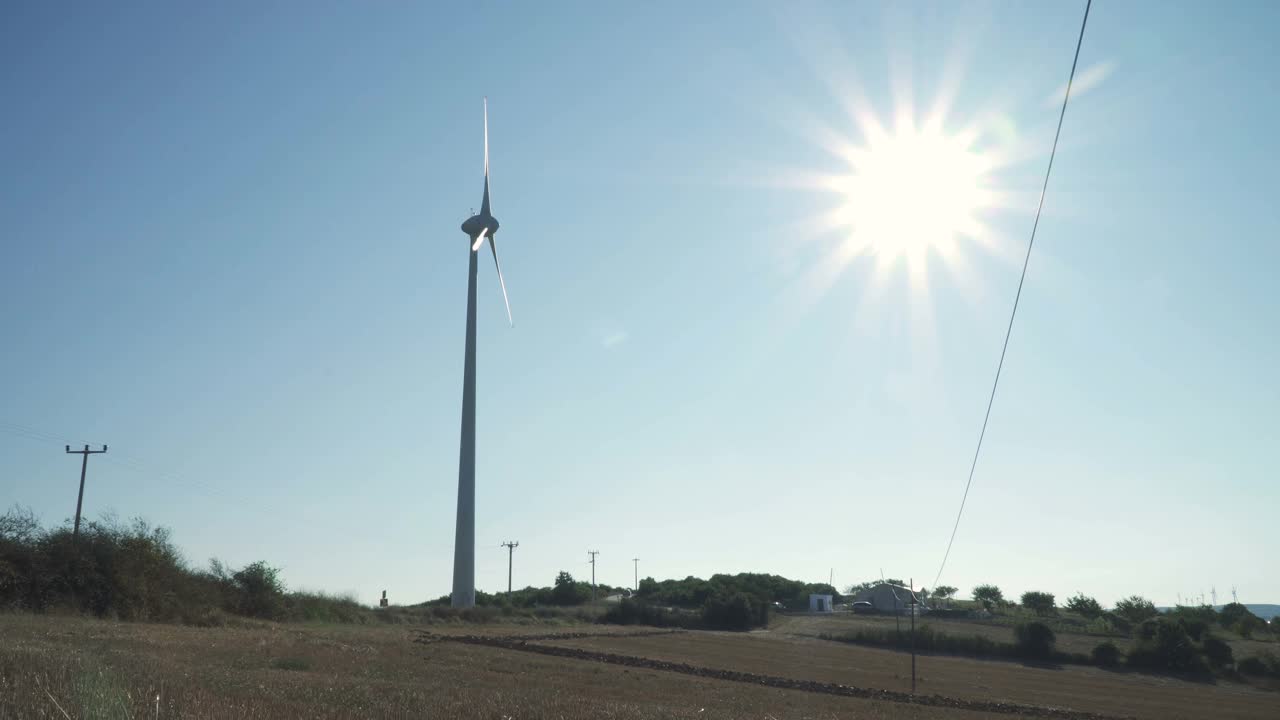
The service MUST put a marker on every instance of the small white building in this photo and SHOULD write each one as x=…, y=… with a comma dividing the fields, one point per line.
x=820, y=604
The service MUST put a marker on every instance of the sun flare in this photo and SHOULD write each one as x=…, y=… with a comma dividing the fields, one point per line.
x=909, y=193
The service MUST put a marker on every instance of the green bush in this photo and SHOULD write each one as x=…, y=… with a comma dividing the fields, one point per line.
x=1135, y=609
x=1084, y=606
x=637, y=612
x=989, y=595
x=1034, y=640
x=1217, y=652
x=260, y=593
x=1041, y=603
x=1252, y=665
x=567, y=591
x=738, y=611
x=1169, y=649
x=1105, y=654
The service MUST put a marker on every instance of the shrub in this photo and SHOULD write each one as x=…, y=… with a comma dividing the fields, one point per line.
x=1217, y=652
x=738, y=611
x=1136, y=608
x=1169, y=649
x=638, y=612
x=989, y=595
x=1233, y=613
x=1118, y=623
x=1041, y=603
x=567, y=591
x=1034, y=640
x=1197, y=629
x=260, y=591
x=1084, y=606
x=1252, y=665
x=1105, y=654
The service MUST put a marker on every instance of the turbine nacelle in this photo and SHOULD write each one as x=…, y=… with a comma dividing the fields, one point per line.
x=477, y=224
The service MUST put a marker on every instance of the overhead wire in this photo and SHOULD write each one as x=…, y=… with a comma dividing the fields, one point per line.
x=1018, y=296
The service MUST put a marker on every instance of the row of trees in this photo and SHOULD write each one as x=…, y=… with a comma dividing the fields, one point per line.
x=1129, y=612
x=693, y=592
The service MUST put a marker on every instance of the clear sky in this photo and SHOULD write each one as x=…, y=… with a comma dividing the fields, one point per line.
x=231, y=252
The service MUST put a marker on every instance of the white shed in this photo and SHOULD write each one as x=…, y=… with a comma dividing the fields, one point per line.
x=820, y=603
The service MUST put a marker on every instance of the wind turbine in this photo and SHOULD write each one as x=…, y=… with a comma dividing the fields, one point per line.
x=478, y=228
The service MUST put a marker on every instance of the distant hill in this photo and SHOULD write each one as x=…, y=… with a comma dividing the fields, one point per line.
x=1266, y=611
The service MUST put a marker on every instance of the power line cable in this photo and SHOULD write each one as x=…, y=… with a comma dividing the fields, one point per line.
x=1026, y=261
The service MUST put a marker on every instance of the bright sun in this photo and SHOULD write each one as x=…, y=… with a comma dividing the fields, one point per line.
x=910, y=192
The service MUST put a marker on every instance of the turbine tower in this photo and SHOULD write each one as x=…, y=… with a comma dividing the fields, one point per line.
x=477, y=227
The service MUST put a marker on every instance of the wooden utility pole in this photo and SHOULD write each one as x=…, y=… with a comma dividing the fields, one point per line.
x=593, y=554
x=511, y=548
x=84, y=467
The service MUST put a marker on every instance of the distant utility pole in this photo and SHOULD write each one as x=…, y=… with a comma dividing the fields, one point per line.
x=84, y=467
x=593, y=554
x=511, y=548
x=636, y=563
x=912, y=582
x=1213, y=594
x=1234, y=599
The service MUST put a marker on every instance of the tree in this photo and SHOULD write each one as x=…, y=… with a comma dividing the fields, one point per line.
x=1034, y=640
x=988, y=595
x=1041, y=603
x=945, y=593
x=567, y=591
x=1136, y=608
x=648, y=586
x=1084, y=605
x=1239, y=618
x=260, y=589
x=853, y=590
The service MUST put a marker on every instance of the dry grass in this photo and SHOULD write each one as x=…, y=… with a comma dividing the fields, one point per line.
x=835, y=624
x=97, y=669
x=1079, y=688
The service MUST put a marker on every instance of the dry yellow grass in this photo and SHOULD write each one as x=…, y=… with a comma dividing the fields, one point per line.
x=1080, y=688
x=97, y=669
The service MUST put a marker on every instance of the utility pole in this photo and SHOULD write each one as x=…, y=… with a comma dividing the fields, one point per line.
x=912, y=581
x=593, y=554
x=511, y=548
x=84, y=467
x=636, y=563
x=1234, y=599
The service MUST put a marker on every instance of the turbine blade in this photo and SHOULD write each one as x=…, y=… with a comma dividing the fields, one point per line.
x=503, y=283
x=484, y=204
x=479, y=240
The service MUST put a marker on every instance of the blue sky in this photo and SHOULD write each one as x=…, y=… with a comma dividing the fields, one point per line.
x=231, y=252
